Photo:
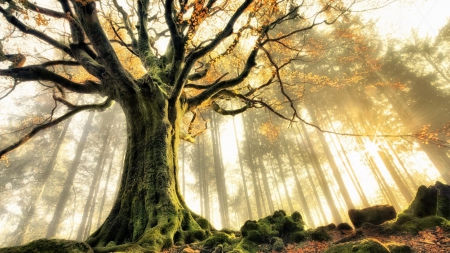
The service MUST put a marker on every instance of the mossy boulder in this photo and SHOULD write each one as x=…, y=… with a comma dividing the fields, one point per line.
x=410, y=224
x=395, y=247
x=344, y=227
x=277, y=244
x=50, y=246
x=375, y=214
x=443, y=200
x=320, y=234
x=364, y=246
x=289, y=229
x=216, y=239
x=425, y=202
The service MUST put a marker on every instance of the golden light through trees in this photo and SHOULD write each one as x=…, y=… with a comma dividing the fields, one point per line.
x=327, y=107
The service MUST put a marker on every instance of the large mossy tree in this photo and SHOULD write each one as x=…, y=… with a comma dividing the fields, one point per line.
x=214, y=52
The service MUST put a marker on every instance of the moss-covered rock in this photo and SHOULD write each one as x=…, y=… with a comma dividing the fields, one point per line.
x=374, y=214
x=410, y=224
x=425, y=202
x=277, y=244
x=395, y=247
x=364, y=246
x=50, y=246
x=289, y=228
x=216, y=239
x=320, y=234
x=443, y=200
x=344, y=227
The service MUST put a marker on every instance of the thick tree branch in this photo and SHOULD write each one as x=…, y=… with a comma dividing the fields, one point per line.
x=204, y=87
x=60, y=62
x=38, y=73
x=127, y=24
x=107, y=56
x=28, y=30
x=219, y=110
x=227, y=31
x=208, y=93
x=27, y=137
x=143, y=49
x=91, y=65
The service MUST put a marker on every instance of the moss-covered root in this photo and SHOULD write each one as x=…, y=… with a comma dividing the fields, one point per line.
x=50, y=246
x=168, y=230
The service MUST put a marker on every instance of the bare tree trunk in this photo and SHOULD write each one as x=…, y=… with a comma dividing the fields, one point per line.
x=65, y=193
x=22, y=227
x=283, y=179
x=244, y=180
x=322, y=179
x=98, y=171
x=301, y=194
x=335, y=169
x=219, y=174
x=265, y=180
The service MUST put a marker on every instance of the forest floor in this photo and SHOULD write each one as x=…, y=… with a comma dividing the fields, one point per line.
x=434, y=240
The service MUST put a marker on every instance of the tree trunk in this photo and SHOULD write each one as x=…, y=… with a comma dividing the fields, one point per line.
x=244, y=181
x=322, y=180
x=22, y=227
x=219, y=173
x=283, y=179
x=98, y=171
x=265, y=180
x=149, y=213
x=334, y=168
x=108, y=174
x=65, y=193
x=301, y=194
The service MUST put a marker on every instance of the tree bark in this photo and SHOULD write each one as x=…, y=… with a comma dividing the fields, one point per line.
x=149, y=213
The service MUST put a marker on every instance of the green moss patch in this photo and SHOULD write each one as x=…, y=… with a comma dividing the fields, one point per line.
x=364, y=246
x=50, y=246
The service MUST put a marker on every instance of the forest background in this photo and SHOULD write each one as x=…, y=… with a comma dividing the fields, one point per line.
x=383, y=72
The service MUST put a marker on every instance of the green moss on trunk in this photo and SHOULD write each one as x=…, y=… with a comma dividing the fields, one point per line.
x=149, y=214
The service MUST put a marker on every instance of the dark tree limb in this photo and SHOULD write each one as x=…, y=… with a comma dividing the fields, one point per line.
x=127, y=24
x=27, y=137
x=38, y=73
x=60, y=62
x=143, y=49
x=211, y=91
x=38, y=34
x=219, y=110
x=91, y=65
x=204, y=87
x=106, y=54
x=227, y=31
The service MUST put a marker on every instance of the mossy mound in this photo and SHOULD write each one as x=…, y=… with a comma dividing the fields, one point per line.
x=344, y=227
x=395, y=247
x=221, y=241
x=50, y=246
x=374, y=214
x=430, y=201
x=290, y=229
x=407, y=223
x=364, y=246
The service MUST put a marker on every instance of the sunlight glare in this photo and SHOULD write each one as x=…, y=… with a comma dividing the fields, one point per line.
x=371, y=148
